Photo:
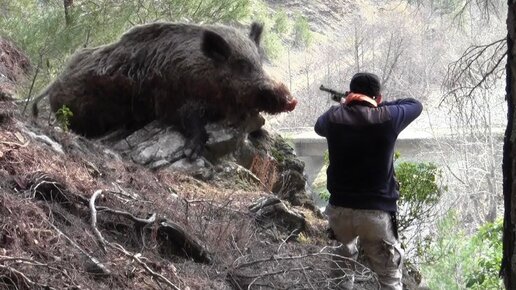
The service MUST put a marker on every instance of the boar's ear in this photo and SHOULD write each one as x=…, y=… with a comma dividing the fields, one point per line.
x=214, y=46
x=256, y=32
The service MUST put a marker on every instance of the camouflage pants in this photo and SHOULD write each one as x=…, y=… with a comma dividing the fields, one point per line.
x=381, y=248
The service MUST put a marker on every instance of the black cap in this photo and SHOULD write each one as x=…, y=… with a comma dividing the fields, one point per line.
x=365, y=83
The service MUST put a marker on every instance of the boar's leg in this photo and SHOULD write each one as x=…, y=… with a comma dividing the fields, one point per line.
x=193, y=118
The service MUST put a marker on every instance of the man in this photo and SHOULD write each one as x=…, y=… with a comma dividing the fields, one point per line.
x=361, y=133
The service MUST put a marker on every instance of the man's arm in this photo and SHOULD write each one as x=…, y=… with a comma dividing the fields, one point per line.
x=321, y=126
x=403, y=112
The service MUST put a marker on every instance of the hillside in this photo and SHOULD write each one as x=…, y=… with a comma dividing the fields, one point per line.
x=76, y=215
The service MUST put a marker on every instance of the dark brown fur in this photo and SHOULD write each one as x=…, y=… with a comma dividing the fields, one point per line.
x=181, y=74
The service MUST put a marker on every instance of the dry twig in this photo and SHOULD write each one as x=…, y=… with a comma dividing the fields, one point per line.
x=29, y=283
x=93, y=210
x=99, y=268
x=121, y=249
x=309, y=271
x=33, y=263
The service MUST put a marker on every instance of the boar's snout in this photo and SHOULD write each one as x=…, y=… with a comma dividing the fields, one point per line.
x=275, y=98
x=291, y=105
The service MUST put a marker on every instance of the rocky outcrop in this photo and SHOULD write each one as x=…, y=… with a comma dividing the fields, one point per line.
x=266, y=156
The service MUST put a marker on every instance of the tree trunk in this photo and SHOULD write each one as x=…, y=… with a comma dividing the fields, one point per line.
x=508, y=270
x=67, y=5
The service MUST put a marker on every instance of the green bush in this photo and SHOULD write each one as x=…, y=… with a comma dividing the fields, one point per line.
x=419, y=191
x=455, y=260
x=322, y=192
x=63, y=116
x=281, y=23
x=302, y=32
x=272, y=45
x=274, y=23
x=326, y=157
x=487, y=246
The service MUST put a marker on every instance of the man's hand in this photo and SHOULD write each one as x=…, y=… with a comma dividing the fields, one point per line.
x=379, y=99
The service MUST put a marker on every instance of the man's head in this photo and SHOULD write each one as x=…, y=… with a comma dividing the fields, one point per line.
x=365, y=83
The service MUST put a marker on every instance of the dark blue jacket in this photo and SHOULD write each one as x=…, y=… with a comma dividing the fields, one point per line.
x=361, y=147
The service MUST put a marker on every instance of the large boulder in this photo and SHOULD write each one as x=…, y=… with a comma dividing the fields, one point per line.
x=267, y=157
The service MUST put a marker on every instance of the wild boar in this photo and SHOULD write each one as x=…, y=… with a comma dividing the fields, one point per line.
x=181, y=74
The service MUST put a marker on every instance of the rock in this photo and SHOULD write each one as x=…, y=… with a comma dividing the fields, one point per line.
x=164, y=145
x=222, y=140
x=46, y=140
x=253, y=123
x=268, y=157
x=155, y=145
x=291, y=186
x=272, y=209
x=246, y=153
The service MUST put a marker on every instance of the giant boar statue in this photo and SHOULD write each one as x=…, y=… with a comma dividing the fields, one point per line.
x=180, y=74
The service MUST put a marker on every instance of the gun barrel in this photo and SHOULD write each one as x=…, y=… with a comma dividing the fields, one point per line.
x=335, y=94
x=322, y=88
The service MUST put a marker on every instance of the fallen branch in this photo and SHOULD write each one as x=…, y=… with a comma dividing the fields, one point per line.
x=282, y=271
x=50, y=188
x=118, y=247
x=284, y=258
x=294, y=233
x=15, y=144
x=312, y=271
x=214, y=204
x=174, y=232
x=93, y=210
x=123, y=192
x=147, y=221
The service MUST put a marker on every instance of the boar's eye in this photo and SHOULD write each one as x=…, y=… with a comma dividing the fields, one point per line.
x=242, y=66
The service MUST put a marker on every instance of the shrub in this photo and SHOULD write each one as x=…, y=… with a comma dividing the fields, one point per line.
x=419, y=192
x=272, y=45
x=487, y=246
x=63, y=116
x=454, y=260
x=281, y=23
x=302, y=33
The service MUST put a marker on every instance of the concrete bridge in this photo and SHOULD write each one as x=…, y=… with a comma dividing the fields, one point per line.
x=413, y=145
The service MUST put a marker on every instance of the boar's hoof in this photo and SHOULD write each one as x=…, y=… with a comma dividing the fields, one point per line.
x=193, y=151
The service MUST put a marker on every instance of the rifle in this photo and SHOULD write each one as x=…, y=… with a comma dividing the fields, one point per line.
x=335, y=96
